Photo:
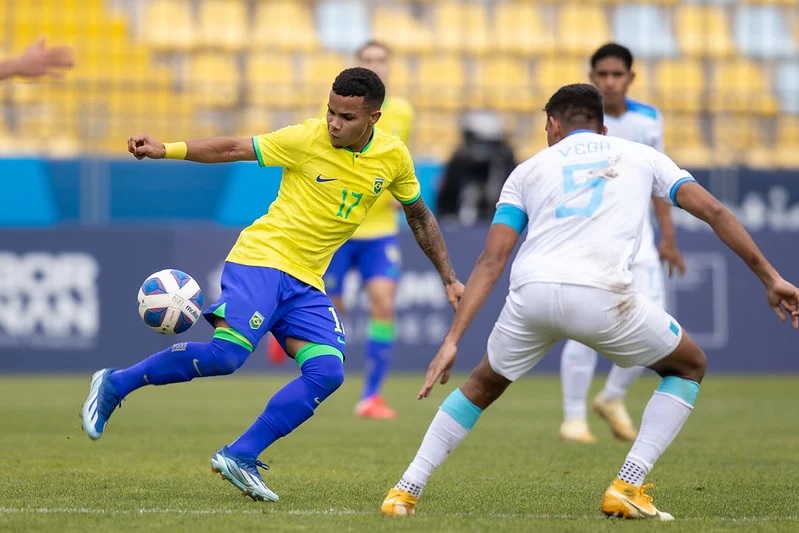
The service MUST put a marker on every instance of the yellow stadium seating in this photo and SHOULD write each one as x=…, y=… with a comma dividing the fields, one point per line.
x=703, y=31
x=551, y=74
x=400, y=78
x=580, y=28
x=169, y=25
x=396, y=26
x=734, y=137
x=742, y=86
x=436, y=135
x=317, y=74
x=281, y=25
x=642, y=87
x=271, y=80
x=786, y=154
x=504, y=84
x=255, y=121
x=214, y=79
x=680, y=85
x=441, y=83
x=519, y=29
x=192, y=67
x=461, y=27
x=223, y=24
x=685, y=141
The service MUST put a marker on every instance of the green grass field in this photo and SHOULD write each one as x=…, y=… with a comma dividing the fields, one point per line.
x=735, y=466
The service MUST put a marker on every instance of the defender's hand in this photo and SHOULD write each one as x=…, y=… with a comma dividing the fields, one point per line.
x=454, y=293
x=671, y=254
x=142, y=146
x=440, y=367
x=783, y=297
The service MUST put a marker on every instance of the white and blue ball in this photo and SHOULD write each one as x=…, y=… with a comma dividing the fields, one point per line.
x=170, y=301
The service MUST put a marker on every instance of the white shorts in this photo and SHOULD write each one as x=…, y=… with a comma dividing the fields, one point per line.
x=629, y=329
x=650, y=281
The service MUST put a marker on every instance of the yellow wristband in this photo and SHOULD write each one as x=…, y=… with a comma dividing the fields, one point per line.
x=176, y=150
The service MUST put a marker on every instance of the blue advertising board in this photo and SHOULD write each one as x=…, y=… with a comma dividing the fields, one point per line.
x=68, y=299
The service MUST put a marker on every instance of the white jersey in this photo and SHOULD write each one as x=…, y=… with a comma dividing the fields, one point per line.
x=585, y=200
x=643, y=124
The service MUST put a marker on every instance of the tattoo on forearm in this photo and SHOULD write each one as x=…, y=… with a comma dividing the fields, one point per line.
x=428, y=235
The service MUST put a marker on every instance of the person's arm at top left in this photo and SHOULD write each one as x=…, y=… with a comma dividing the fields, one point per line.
x=38, y=60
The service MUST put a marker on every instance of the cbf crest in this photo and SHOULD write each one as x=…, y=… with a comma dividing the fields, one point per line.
x=378, y=185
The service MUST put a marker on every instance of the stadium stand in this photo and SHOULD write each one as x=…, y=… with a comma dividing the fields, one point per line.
x=186, y=67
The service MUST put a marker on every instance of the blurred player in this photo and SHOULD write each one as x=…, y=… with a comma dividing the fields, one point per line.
x=374, y=250
x=611, y=73
x=38, y=60
x=584, y=199
x=272, y=278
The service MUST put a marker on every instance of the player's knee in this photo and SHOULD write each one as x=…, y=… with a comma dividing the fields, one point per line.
x=325, y=373
x=697, y=366
x=484, y=385
x=382, y=309
x=227, y=357
x=381, y=300
x=688, y=361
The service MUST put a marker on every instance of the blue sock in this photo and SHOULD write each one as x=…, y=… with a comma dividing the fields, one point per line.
x=181, y=362
x=378, y=355
x=292, y=405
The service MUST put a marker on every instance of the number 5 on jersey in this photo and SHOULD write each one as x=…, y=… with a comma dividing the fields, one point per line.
x=595, y=183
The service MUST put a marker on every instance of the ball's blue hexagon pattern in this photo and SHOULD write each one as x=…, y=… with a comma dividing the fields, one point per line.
x=153, y=286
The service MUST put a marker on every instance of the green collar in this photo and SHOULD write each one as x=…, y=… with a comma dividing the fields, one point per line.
x=366, y=146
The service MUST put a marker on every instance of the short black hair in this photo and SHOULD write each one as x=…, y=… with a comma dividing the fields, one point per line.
x=359, y=81
x=372, y=43
x=577, y=105
x=612, y=50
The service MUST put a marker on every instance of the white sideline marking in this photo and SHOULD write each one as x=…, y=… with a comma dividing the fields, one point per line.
x=350, y=512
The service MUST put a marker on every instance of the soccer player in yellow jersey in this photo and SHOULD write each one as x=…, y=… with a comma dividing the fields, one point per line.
x=374, y=250
x=334, y=172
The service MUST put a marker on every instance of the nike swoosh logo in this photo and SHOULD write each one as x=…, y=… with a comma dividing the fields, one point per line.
x=320, y=179
x=628, y=501
x=317, y=400
x=340, y=340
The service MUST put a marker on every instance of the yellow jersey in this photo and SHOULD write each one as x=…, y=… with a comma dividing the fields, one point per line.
x=324, y=196
x=396, y=119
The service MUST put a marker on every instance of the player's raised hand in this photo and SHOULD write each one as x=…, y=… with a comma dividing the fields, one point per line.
x=440, y=367
x=454, y=293
x=142, y=146
x=783, y=297
x=672, y=256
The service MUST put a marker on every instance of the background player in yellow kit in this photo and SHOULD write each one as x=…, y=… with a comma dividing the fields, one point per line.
x=374, y=250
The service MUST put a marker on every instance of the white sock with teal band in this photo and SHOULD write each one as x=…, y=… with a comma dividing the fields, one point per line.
x=455, y=418
x=664, y=416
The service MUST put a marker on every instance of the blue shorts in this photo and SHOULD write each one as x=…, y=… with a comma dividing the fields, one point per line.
x=255, y=300
x=375, y=258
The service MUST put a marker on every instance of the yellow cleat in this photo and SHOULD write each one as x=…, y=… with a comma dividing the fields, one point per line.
x=624, y=500
x=576, y=430
x=615, y=414
x=399, y=503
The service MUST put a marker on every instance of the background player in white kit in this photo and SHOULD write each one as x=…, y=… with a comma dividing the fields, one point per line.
x=584, y=198
x=611, y=73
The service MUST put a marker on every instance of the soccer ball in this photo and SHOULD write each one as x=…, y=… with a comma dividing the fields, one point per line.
x=170, y=301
